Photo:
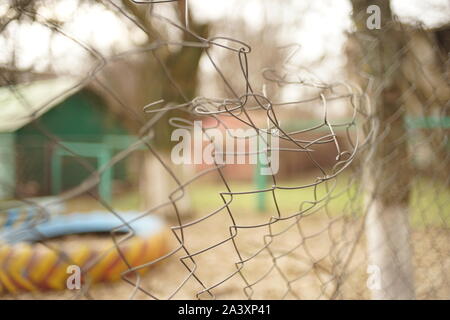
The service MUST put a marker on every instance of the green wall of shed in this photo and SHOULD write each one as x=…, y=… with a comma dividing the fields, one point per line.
x=81, y=118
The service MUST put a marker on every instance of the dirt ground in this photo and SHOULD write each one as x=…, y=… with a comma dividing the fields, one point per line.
x=303, y=261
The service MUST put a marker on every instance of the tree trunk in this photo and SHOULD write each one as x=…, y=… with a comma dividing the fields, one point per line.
x=387, y=174
x=157, y=187
x=156, y=184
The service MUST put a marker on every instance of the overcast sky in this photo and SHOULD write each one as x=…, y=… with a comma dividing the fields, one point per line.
x=321, y=30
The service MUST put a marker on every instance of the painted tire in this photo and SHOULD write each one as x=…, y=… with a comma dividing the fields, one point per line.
x=17, y=214
x=26, y=266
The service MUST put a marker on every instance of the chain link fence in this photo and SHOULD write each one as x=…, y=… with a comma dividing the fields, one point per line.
x=355, y=205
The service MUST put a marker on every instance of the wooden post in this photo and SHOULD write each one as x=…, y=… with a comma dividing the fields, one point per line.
x=387, y=175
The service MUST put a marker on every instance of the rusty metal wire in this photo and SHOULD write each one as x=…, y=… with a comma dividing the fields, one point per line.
x=312, y=252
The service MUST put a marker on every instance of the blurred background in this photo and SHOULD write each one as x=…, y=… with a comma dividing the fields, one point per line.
x=91, y=91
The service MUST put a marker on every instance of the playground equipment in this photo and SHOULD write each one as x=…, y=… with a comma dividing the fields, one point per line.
x=29, y=266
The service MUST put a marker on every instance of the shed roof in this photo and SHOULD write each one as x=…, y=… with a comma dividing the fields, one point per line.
x=21, y=104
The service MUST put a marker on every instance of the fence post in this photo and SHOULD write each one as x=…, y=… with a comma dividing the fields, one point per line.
x=260, y=180
x=387, y=176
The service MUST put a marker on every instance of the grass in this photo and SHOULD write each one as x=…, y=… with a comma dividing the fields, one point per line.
x=430, y=200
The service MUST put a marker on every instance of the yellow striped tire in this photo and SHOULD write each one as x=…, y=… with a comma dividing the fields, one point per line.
x=35, y=267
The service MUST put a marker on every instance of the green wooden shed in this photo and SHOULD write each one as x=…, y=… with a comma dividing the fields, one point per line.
x=53, y=134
